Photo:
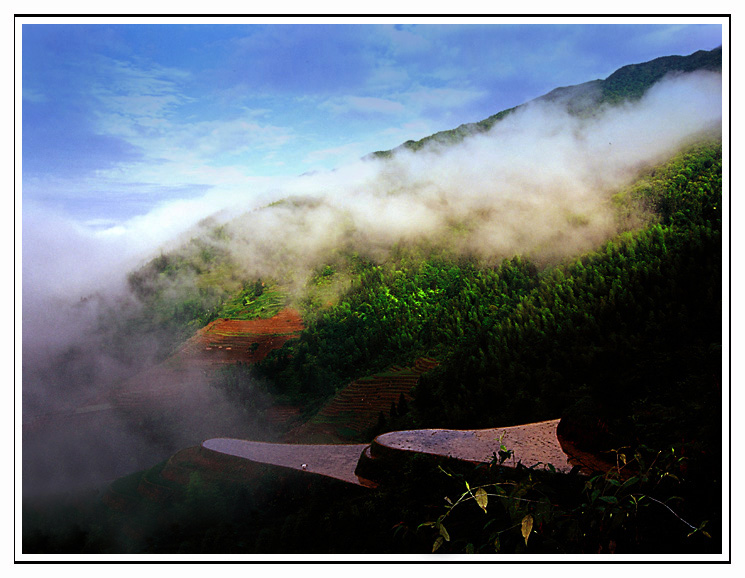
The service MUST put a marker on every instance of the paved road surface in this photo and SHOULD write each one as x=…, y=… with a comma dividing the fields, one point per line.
x=336, y=461
x=532, y=443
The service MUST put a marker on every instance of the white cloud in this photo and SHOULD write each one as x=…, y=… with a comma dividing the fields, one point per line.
x=234, y=136
x=143, y=105
x=387, y=77
x=407, y=40
x=138, y=92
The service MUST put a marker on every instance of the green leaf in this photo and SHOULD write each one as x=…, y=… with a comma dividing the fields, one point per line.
x=609, y=499
x=490, y=522
x=527, y=526
x=482, y=499
x=444, y=472
x=630, y=482
x=437, y=544
x=444, y=533
x=499, y=490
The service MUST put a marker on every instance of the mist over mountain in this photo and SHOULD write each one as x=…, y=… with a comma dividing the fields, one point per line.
x=539, y=181
x=627, y=83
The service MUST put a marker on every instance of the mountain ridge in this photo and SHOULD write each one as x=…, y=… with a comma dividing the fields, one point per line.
x=628, y=82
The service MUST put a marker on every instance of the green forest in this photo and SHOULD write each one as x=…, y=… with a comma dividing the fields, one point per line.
x=629, y=328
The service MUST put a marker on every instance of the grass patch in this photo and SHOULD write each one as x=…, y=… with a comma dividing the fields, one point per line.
x=254, y=302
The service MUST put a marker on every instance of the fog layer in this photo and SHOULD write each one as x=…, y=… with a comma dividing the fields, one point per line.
x=539, y=183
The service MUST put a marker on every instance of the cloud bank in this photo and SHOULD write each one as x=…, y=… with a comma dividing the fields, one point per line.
x=539, y=183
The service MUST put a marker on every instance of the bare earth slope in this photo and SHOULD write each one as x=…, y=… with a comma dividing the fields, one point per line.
x=247, y=341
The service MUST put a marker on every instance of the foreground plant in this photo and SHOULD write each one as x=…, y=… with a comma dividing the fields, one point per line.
x=634, y=506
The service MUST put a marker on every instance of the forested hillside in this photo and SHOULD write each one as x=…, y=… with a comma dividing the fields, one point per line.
x=630, y=329
x=623, y=340
x=634, y=327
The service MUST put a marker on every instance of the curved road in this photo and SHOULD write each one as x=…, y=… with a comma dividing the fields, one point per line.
x=532, y=444
x=335, y=461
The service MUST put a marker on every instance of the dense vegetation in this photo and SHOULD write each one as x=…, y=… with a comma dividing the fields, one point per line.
x=630, y=82
x=395, y=311
x=174, y=294
x=633, y=326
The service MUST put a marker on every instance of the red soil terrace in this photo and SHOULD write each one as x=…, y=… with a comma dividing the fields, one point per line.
x=247, y=341
x=224, y=341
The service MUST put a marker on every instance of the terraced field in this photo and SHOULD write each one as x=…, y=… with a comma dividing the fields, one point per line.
x=356, y=408
x=168, y=406
x=247, y=341
x=224, y=341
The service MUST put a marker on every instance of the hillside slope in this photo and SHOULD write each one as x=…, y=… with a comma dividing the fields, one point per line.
x=627, y=83
x=622, y=340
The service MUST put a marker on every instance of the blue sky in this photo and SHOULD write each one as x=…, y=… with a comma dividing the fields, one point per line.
x=120, y=118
